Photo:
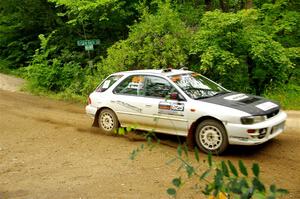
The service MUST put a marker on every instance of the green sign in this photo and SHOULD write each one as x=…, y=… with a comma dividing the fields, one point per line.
x=89, y=47
x=88, y=44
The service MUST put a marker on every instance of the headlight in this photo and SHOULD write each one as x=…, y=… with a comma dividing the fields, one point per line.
x=253, y=119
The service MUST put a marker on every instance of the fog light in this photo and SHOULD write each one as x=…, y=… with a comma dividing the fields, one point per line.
x=263, y=131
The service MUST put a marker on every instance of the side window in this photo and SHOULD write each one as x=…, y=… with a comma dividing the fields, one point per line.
x=158, y=87
x=108, y=83
x=132, y=85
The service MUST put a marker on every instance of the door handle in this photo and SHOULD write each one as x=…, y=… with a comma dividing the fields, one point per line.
x=148, y=105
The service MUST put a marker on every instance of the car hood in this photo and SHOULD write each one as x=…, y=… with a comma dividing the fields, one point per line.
x=253, y=105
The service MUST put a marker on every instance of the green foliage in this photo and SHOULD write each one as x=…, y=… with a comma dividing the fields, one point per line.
x=106, y=20
x=150, y=145
x=223, y=180
x=281, y=21
x=220, y=180
x=288, y=95
x=234, y=49
x=159, y=40
x=248, y=50
x=190, y=12
x=20, y=25
x=54, y=74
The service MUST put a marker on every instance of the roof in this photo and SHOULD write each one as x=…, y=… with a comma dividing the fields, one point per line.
x=163, y=72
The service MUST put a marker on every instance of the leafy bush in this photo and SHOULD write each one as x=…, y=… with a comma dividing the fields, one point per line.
x=235, y=50
x=249, y=50
x=288, y=95
x=159, y=40
x=54, y=74
x=20, y=26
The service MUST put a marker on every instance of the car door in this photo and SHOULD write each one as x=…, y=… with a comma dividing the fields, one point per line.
x=131, y=105
x=167, y=106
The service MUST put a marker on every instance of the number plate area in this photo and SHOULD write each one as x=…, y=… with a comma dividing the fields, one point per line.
x=277, y=128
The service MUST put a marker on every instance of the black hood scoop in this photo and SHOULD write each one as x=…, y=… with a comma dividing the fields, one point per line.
x=250, y=100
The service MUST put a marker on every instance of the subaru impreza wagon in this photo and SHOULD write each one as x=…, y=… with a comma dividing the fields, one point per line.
x=184, y=103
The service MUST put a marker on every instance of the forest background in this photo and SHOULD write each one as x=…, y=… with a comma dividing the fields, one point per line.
x=249, y=46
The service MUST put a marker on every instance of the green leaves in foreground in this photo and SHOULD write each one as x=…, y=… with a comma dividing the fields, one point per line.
x=243, y=169
x=255, y=169
x=221, y=180
x=171, y=191
x=176, y=182
x=224, y=179
x=232, y=168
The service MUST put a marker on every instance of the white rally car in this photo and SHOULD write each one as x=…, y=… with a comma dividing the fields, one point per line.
x=184, y=103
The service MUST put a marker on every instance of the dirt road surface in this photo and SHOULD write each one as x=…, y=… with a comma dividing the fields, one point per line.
x=49, y=150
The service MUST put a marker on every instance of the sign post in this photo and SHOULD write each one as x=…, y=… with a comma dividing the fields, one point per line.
x=88, y=46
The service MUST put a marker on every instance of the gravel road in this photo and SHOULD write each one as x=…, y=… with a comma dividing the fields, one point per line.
x=49, y=150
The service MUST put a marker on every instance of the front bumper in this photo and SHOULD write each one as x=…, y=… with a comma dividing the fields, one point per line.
x=238, y=133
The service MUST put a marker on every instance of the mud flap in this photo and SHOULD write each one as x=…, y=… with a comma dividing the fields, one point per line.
x=190, y=140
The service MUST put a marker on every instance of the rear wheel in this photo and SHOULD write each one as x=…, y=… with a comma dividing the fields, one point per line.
x=211, y=137
x=108, y=121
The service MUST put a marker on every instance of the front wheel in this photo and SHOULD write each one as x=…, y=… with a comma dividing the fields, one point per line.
x=211, y=137
x=108, y=121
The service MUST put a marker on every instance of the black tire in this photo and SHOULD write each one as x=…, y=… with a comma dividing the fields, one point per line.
x=108, y=121
x=211, y=137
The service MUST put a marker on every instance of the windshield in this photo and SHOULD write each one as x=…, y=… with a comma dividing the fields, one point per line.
x=197, y=86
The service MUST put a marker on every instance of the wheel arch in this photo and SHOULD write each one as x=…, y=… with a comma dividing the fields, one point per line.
x=193, y=127
x=95, y=123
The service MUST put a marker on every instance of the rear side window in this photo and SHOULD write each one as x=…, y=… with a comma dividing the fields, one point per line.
x=108, y=82
x=147, y=86
x=133, y=85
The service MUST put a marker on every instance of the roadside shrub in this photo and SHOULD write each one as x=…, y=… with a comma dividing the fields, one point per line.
x=287, y=94
x=159, y=40
x=232, y=48
x=54, y=74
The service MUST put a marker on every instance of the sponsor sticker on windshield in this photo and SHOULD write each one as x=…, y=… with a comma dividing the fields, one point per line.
x=137, y=79
x=266, y=106
x=176, y=78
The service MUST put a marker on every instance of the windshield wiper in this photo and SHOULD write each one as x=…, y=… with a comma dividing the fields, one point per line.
x=202, y=97
x=219, y=93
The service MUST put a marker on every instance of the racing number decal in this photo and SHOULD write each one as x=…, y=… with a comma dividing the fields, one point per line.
x=177, y=107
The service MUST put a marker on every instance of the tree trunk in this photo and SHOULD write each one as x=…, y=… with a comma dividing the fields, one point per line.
x=249, y=4
x=223, y=5
x=208, y=5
